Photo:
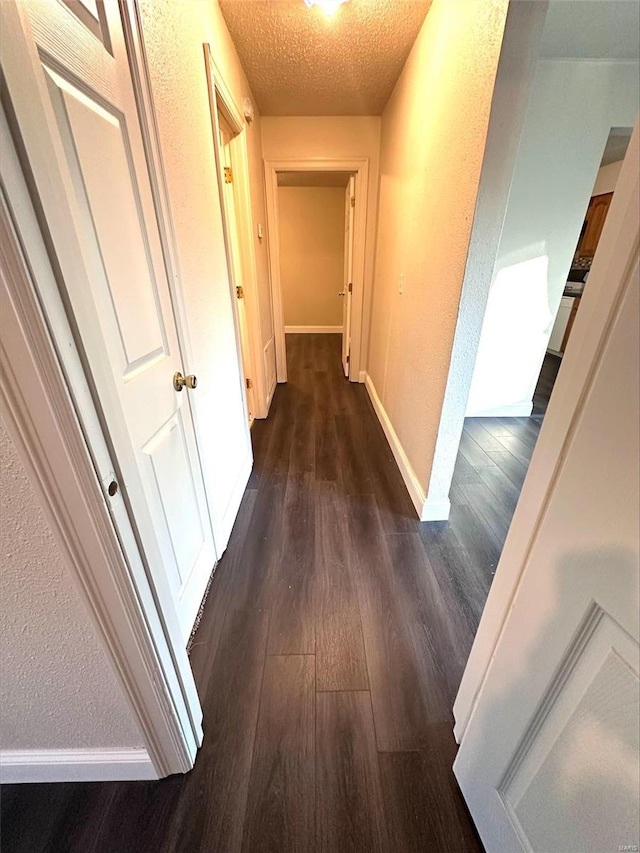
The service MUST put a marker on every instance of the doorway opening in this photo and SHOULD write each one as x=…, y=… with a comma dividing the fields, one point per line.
x=506, y=406
x=232, y=163
x=509, y=396
x=316, y=212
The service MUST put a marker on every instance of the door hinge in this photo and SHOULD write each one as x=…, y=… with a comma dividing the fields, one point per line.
x=353, y=201
x=228, y=175
x=348, y=359
x=240, y=292
x=249, y=384
x=350, y=287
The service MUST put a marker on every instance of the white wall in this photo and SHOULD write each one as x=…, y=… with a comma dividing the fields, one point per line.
x=174, y=36
x=57, y=689
x=312, y=227
x=433, y=137
x=607, y=178
x=338, y=138
x=574, y=104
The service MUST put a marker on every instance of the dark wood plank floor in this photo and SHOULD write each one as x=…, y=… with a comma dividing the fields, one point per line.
x=330, y=650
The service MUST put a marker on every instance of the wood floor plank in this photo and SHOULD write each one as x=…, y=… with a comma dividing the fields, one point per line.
x=513, y=468
x=280, y=814
x=467, y=578
x=472, y=532
x=293, y=582
x=221, y=593
x=472, y=452
x=435, y=622
x=481, y=435
x=490, y=510
x=464, y=472
x=49, y=817
x=400, y=714
x=505, y=492
x=251, y=586
x=326, y=449
x=425, y=809
x=340, y=655
x=350, y=803
x=353, y=464
x=139, y=817
x=303, y=441
x=518, y=448
x=211, y=809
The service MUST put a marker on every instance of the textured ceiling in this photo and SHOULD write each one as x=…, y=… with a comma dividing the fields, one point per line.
x=592, y=29
x=300, y=61
x=313, y=179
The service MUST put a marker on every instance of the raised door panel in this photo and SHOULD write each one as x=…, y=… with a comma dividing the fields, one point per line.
x=577, y=762
x=101, y=164
x=168, y=460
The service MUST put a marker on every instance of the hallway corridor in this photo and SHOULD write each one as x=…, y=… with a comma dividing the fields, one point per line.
x=329, y=652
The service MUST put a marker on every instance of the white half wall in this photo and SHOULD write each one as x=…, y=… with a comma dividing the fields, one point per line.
x=574, y=104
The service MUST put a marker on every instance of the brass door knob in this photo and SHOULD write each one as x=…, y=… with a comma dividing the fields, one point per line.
x=179, y=381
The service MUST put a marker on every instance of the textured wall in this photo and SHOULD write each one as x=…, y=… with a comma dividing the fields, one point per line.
x=174, y=35
x=57, y=689
x=333, y=137
x=433, y=135
x=311, y=254
x=562, y=145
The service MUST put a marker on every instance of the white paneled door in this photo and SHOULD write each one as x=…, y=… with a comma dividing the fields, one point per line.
x=549, y=758
x=84, y=144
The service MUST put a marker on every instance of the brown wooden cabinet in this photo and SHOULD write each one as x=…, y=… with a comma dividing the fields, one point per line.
x=594, y=222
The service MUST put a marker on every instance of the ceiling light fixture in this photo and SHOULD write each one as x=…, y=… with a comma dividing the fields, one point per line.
x=329, y=7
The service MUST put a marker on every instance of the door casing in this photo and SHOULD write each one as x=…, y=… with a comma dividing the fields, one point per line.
x=221, y=99
x=360, y=170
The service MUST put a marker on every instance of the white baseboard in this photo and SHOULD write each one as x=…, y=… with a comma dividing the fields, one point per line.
x=435, y=510
x=313, y=330
x=362, y=376
x=75, y=765
x=408, y=474
x=515, y=410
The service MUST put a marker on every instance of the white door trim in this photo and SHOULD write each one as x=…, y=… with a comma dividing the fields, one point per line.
x=360, y=168
x=612, y=265
x=220, y=98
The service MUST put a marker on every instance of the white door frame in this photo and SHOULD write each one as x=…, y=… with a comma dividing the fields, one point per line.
x=54, y=421
x=220, y=98
x=612, y=265
x=360, y=169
